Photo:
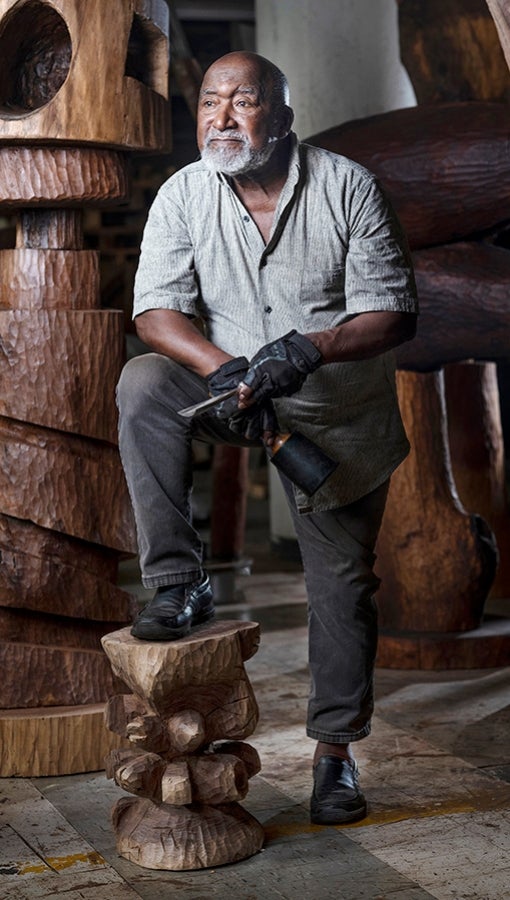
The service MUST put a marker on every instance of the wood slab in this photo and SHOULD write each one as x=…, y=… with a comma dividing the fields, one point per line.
x=22, y=625
x=485, y=647
x=36, y=279
x=62, y=176
x=38, y=676
x=59, y=369
x=65, y=483
x=49, y=572
x=54, y=741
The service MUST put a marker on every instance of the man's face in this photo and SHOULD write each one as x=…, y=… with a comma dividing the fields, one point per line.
x=237, y=129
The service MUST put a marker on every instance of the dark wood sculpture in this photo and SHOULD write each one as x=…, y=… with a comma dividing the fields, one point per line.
x=434, y=553
x=191, y=708
x=82, y=84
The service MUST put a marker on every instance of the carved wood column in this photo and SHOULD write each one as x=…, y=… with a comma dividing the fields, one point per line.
x=82, y=83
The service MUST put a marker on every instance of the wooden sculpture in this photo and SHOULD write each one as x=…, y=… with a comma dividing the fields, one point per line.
x=82, y=83
x=190, y=709
x=446, y=169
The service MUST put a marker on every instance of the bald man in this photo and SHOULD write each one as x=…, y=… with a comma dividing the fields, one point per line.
x=295, y=264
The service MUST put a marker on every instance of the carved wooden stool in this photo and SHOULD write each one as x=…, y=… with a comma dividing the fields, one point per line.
x=191, y=708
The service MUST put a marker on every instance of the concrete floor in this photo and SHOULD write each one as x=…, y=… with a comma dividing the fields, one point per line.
x=436, y=771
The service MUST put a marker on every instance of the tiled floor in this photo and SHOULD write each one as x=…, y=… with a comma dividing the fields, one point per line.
x=436, y=770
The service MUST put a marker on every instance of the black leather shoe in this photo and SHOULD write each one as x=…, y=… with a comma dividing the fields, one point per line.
x=336, y=797
x=174, y=611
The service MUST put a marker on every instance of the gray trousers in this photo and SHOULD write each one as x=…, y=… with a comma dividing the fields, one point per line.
x=337, y=546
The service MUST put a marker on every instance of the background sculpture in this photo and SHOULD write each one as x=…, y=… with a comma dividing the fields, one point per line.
x=446, y=170
x=82, y=83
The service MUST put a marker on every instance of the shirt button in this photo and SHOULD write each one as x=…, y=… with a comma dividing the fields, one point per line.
x=246, y=218
x=268, y=309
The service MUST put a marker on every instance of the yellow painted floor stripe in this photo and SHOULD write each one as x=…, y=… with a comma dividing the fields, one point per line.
x=383, y=817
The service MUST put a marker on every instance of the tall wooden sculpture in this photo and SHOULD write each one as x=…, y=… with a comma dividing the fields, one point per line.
x=446, y=169
x=82, y=83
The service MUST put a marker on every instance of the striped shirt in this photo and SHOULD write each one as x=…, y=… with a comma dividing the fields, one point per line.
x=335, y=250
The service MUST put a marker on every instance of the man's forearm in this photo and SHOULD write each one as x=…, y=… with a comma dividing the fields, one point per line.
x=171, y=333
x=364, y=336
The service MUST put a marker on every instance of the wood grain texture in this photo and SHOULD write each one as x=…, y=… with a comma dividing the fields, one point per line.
x=437, y=562
x=451, y=51
x=465, y=314
x=500, y=11
x=73, y=355
x=37, y=676
x=54, y=741
x=66, y=483
x=38, y=279
x=114, y=109
x=177, y=838
x=67, y=176
x=445, y=166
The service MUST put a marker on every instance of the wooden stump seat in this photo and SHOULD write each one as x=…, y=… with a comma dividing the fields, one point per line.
x=191, y=706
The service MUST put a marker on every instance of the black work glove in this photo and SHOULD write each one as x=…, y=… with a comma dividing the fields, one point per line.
x=224, y=379
x=251, y=423
x=281, y=367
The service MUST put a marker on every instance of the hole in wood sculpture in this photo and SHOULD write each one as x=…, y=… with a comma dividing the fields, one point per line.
x=35, y=56
x=147, y=53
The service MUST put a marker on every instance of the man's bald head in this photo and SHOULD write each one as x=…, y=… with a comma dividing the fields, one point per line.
x=273, y=83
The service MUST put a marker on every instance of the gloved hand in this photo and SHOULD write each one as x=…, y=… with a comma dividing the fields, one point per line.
x=281, y=367
x=258, y=421
x=249, y=423
x=225, y=378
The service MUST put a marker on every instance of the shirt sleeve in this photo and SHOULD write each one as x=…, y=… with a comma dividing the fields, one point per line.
x=165, y=278
x=379, y=273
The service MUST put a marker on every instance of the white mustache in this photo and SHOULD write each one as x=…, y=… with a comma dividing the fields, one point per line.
x=227, y=135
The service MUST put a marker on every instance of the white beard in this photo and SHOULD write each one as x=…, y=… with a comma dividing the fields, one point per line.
x=235, y=160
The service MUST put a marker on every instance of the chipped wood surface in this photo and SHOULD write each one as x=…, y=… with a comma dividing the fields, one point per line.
x=73, y=355
x=188, y=693
x=188, y=838
x=47, y=572
x=35, y=279
x=51, y=176
x=39, y=676
x=66, y=483
x=451, y=51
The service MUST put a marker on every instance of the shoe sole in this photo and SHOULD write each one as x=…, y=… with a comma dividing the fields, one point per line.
x=332, y=816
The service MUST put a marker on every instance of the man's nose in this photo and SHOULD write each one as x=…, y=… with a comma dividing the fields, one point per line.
x=223, y=119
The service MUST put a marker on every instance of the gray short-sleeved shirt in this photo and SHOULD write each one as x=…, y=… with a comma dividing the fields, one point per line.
x=335, y=250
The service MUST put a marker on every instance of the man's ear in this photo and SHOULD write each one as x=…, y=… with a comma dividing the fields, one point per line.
x=285, y=123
